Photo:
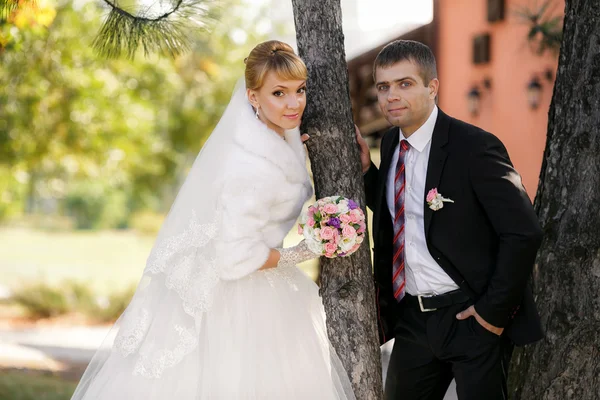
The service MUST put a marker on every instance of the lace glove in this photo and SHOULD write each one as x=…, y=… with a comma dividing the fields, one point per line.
x=290, y=256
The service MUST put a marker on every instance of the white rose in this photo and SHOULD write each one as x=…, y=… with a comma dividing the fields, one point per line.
x=343, y=207
x=309, y=232
x=346, y=244
x=436, y=204
x=314, y=246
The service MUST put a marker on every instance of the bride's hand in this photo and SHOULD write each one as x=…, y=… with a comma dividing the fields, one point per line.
x=290, y=256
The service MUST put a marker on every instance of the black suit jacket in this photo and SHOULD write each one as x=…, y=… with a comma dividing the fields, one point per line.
x=486, y=240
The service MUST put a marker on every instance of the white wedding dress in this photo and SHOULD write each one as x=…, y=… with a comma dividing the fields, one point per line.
x=205, y=323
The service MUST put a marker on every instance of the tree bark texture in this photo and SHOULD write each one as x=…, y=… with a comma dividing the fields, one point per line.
x=566, y=364
x=346, y=283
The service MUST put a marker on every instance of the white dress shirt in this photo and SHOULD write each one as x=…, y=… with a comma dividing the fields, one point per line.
x=423, y=273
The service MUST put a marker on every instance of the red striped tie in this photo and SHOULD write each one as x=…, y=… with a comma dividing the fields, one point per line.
x=398, y=279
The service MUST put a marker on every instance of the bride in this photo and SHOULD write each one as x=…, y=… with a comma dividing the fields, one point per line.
x=221, y=311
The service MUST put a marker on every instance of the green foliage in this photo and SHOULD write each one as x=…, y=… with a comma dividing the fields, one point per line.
x=30, y=386
x=12, y=193
x=146, y=222
x=117, y=303
x=545, y=29
x=128, y=129
x=94, y=205
x=41, y=300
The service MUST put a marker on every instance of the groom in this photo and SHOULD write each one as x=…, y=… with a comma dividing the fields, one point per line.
x=455, y=240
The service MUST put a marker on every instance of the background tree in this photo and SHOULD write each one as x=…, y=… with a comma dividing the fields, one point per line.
x=566, y=364
x=346, y=283
x=96, y=138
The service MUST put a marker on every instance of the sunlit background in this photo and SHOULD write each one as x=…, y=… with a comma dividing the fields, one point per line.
x=92, y=151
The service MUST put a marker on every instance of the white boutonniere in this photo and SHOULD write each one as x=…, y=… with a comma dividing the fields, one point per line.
x=436, y=200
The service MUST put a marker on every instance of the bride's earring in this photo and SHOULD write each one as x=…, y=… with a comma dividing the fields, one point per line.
x=257, y=113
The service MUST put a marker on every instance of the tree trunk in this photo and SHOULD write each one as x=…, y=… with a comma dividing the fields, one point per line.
x=566, y=364
x=346, y=283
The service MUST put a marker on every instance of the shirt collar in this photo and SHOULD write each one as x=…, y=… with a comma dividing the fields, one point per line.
x=419, y=139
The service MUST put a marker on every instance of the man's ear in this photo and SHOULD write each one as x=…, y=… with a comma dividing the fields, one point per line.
x=434, y=86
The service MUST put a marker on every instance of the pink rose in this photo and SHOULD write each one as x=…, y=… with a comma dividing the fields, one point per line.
x=327, y=233
x=354, y=248
x=336, y=237
x=432, y=195
x=300, y=230
x=355, y=219
x=356, y=215
x=330, y=248
x=345, y=218
x=330, y=209
x=311, y=222
x=362, y=228
x=348, y=231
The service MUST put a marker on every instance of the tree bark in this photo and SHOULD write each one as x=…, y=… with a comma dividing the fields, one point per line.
x=566, y=364
x=346, y=283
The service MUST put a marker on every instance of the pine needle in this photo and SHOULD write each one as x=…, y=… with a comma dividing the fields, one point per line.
x=7, y=7
x=171, y=32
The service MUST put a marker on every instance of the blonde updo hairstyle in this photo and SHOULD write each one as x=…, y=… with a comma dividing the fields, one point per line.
x=273, y=56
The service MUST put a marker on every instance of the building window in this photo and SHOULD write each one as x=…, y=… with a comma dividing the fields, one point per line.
x=481, y=49
x=495, y=10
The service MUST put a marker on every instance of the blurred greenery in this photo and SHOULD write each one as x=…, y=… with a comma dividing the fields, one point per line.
x=107, y=261
x=44, y=300
x=99, y=140
x=30, y=386
x=41, y=300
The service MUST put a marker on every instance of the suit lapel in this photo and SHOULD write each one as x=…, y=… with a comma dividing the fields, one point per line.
x=388, y=153
x=435, y=165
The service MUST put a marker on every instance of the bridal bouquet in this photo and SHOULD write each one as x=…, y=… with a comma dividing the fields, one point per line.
x=333, y=227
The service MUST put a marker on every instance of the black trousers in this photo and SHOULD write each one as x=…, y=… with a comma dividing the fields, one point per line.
x=433, y=347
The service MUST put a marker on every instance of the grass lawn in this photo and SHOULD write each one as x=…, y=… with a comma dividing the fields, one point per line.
x=16, y=385
x=106, y=260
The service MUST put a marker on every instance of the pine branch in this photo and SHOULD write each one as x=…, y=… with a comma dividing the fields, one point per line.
x=7, y=7
x=545, y=31
x=171, y=32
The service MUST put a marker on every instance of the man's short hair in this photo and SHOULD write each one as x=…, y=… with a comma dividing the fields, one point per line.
x=408, y=50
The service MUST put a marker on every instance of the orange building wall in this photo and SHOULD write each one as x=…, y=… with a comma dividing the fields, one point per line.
x=504, y=109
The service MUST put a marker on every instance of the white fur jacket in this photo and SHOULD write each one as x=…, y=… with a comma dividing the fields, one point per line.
x=266, y=185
